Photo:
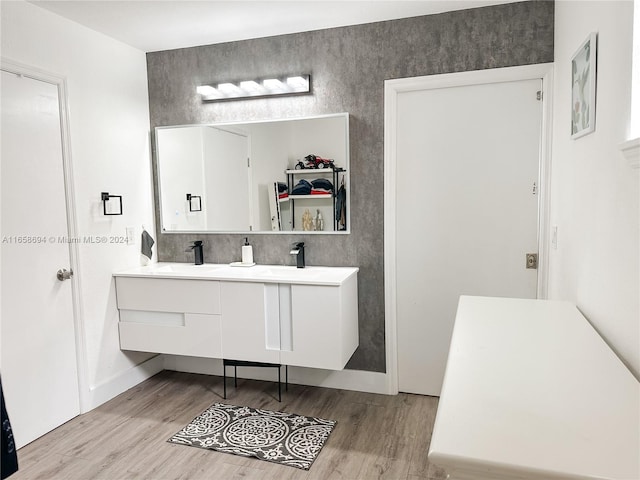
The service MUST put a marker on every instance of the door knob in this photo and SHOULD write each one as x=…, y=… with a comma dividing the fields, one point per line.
x=64, y=274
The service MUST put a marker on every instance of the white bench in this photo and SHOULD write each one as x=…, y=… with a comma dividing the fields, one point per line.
x=531, y=391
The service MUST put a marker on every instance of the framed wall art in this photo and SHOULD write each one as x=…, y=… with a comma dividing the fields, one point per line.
x=583, y=88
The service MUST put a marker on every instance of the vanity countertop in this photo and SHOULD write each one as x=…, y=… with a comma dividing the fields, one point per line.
x=257, y=273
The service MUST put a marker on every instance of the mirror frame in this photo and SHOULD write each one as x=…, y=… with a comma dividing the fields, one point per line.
x=347, y=177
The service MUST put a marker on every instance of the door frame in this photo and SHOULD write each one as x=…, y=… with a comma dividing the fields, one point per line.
x=392, y=89
x=60, y=82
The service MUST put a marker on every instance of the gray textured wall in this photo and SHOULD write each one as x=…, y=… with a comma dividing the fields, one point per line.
x=348, y=66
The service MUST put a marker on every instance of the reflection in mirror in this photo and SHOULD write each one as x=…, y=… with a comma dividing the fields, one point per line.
x=272, y=176
x=207, y=162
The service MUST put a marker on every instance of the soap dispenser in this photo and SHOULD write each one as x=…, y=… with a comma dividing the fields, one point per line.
x=197, y=250
x=247, y=252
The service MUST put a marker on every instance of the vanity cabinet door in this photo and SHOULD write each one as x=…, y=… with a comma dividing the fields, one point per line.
x=250, y=322
x=324, y=326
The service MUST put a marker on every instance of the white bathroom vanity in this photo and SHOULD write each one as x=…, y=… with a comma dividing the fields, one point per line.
x=274, y=314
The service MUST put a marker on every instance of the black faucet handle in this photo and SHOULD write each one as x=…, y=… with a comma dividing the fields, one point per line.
x=196, y=244
x=298, y=251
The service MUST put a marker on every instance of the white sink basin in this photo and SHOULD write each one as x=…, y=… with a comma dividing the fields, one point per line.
x=288, y=272
x=186, y=268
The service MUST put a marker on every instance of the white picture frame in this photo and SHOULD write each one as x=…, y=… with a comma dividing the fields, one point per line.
x=583, y=88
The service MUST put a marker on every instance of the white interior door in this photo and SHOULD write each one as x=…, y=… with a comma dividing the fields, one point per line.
x=467, y=212
x=226, y=173
x=38, y=359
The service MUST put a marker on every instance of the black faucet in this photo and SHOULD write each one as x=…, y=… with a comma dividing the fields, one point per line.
x=298, y=251
x=197, y=250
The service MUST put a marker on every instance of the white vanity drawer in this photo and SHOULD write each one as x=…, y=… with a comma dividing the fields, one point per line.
x=168, y=295
x=174, y=333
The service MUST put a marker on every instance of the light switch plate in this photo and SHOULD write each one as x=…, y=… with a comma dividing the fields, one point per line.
x=131, y=232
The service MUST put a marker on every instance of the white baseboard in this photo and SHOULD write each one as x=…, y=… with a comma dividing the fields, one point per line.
x=361, y=381
x=114, y=386
x=357, y=380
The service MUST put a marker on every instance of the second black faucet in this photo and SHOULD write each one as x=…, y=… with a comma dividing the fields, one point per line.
x=298, y=251
x=198, y=252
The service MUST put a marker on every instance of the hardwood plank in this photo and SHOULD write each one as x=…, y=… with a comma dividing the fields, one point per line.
x=419, y=464
x=376, y=436
x=52, y=465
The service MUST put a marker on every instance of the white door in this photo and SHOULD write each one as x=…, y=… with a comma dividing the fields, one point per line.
x=226, y=173
x=467, y=212
x=38, y=360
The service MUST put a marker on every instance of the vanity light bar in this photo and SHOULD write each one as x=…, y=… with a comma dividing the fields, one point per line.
x=255, y=88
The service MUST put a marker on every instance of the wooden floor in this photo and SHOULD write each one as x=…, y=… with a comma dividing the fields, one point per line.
x=377, y=436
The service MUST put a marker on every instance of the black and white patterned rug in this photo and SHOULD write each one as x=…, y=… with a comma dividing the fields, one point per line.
x=279, y=437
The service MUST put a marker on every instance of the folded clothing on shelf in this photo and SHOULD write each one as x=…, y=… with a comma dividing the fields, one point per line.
x=283, y=190
x=303, y=187
x=321, y=186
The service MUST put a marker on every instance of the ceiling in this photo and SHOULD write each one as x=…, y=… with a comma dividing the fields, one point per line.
x=154, y=25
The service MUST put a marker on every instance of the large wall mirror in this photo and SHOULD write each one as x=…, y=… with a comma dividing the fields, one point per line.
x=289, y=175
